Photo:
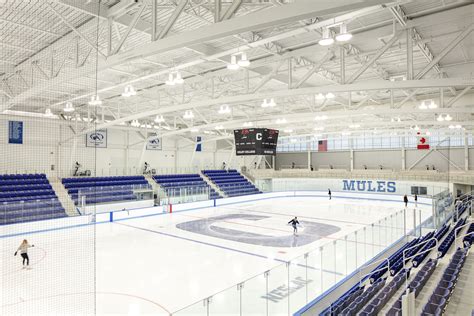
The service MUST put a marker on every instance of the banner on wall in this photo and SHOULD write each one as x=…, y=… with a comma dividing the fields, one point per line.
x=97, y=139
x=15, y=132
x=323, y=145
x=153, y=142
x=198, y=143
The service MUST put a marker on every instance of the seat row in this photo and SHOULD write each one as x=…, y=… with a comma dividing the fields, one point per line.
x=22, y=176
x=376, y=305
x=415, y=286
x=101, y=179
x=105, y=183
x=440, y=296
x=448, y=241
x=25, y=187
x=410, y=253
x=356, y=305
x=424, y=251
x=14, y=182
x=469, y=238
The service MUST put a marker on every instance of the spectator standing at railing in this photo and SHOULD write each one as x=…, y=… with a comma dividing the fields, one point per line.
x=223, y=165
x=416, y=200
x=292, y=165
x=23, y=249
x=405, y=200
x=329, y=193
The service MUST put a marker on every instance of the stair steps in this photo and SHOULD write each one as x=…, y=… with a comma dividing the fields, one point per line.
x=63, y=196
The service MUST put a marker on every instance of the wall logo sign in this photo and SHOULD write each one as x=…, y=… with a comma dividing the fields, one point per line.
x=198, y=143
x=369, y=186
x=97, y=139
x=153, y=142
x=15, y=132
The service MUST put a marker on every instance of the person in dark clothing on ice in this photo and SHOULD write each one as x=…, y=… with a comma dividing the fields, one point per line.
x=293, y=223
x=405, y=200
x=329, y=193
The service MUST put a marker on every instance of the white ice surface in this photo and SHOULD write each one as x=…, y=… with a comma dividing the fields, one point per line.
x=147, y=266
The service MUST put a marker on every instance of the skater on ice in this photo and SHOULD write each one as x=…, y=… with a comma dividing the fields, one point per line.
x=23, y=249
x=329, y=193
x=293, y=223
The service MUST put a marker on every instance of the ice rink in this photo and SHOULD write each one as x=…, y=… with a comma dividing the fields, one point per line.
x=167, y=264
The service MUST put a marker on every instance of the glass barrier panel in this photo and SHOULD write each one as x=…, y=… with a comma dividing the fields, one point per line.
x=278, y=290
x=227, y=301
x=200, y=308
x=315, y=286
x=254, y=296
x=340, y=246
x=298, y=283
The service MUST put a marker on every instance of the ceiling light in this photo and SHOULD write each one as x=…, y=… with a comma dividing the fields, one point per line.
x=248, y=124
x=319, y=128
x=318, y=135
x=128, y=91
x=95, y=101
x=243, y=62
x=345, y=133
x=159, y=119
x=272, y=103
x=194, y=130
x=398, y=120
x=68, y=107
x=458, y=126
x=432, y=105
x=224, y=109
x=320, y=96
x=48, y=113
x=288, y=130
x=343, y=35
x=354, y=126
x=416, y=128
x=135, y=123
x=281, y=121
x=219, y=127
x=326, y=39
x=178, y=79
x=233, y=63
x=321, y=117
x=188, y=115
x=330, y=95
x=448, y=118
x=440, y=118
x=170, y=81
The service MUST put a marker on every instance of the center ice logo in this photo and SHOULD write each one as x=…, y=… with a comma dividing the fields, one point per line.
x=369, y=186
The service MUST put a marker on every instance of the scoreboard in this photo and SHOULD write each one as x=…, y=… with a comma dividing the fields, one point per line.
x=255, y=141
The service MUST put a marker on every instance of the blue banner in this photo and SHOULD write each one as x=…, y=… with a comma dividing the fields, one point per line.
x=15, y=132
x=198, y=143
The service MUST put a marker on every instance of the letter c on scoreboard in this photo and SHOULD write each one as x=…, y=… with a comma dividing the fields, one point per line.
x=258, y=136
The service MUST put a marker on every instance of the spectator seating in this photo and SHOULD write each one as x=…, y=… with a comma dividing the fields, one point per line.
x=104, y=189
x=438, y=235
x=355, y=306
x=177, y=184
x=231, y=182
x=448, y=241
x=440, y=296
x=27, y=197
x=469, y=238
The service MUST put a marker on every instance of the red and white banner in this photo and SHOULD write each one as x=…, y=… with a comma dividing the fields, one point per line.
x=423, y=141
x=323, y=145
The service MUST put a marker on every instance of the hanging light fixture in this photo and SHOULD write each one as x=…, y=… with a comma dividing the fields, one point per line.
x=247, y=124
x=330, y=95
x=432, y=105
x=272, y=103
x=319, y=128
x=448, y=118
x=224, y=109
x=343, y=35
x=281, y=121
x=233, y=63
x=68, y=107
x=48, y=113
x=178, y=79
x=159, y=119
x=188, y=115
x=170, y=81
x=320, y=96
x=268, y=104
x=326, y=40
x=243, y=62
x=128, y=91
x=95, y=100
x=354, y=126
x=288, y=130
x=440, y=118
x=321, y=117
x=219, y=127
x=135, y=123
x=194, y=130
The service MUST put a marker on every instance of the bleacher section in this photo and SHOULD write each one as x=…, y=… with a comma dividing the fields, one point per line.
x=189, y=184
x=231, y=182
x=104, y=189
x=364, y=299
x=27, y=197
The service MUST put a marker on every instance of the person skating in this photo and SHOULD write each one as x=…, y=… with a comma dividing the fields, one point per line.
x=405, y=200
x=416, y=200
x=23, y=249
x=329, y=193
x=293, y=223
